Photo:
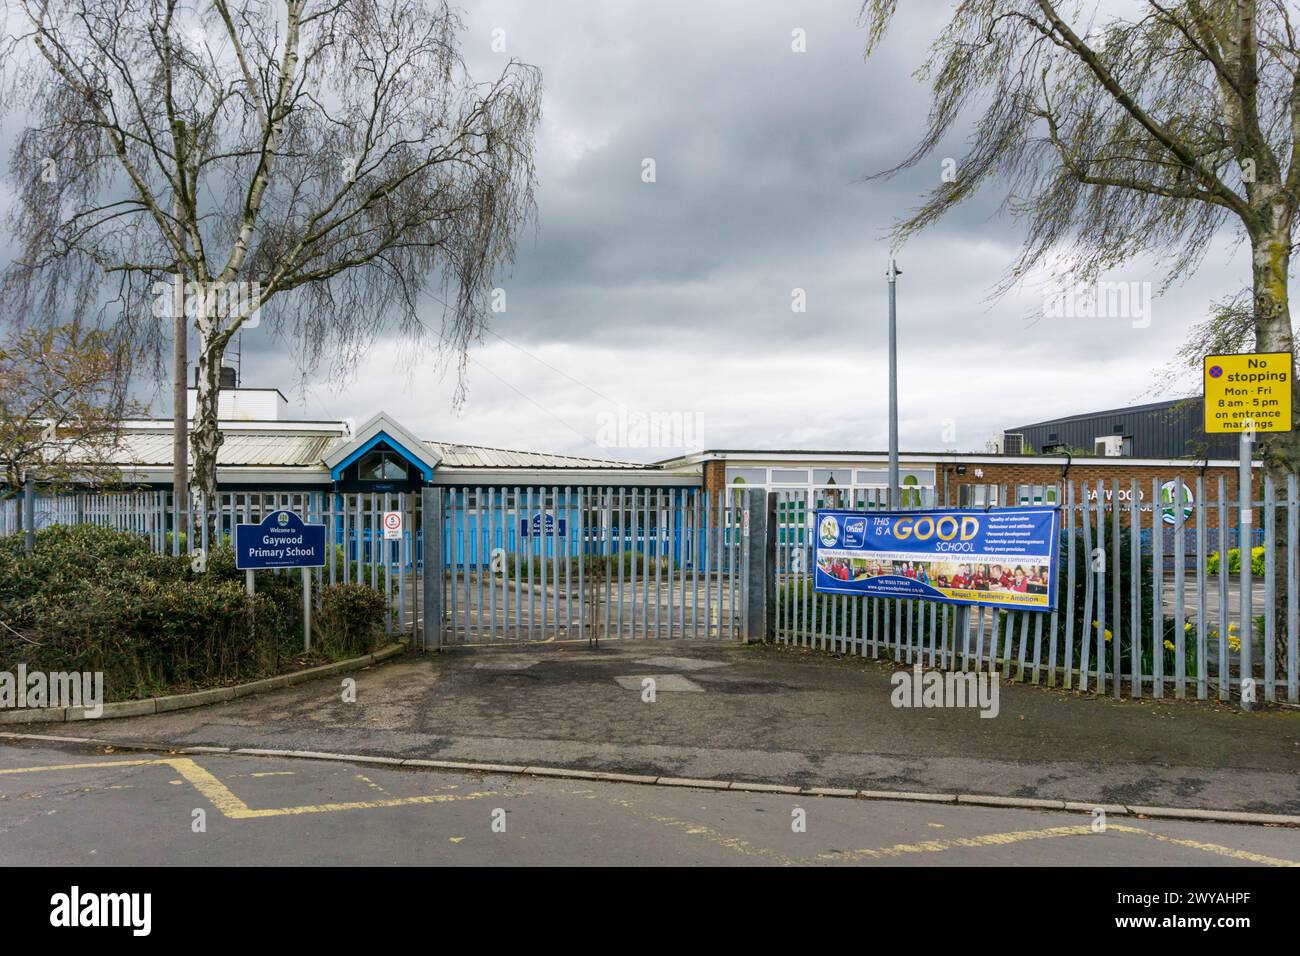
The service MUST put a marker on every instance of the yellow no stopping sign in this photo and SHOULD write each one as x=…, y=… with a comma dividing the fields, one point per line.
x=1248, y=390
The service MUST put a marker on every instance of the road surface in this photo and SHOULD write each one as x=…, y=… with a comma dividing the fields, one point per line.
x=70, y=806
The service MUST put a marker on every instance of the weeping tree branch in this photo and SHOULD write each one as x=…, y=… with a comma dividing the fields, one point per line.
x=1120, y=138
x=328, y=167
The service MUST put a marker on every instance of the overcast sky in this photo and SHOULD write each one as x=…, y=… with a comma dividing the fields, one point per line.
x=675, y=296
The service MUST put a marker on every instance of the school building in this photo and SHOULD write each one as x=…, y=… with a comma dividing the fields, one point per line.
x=266, y=451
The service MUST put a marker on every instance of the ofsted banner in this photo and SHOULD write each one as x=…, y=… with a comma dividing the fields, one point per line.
x=1002, y=557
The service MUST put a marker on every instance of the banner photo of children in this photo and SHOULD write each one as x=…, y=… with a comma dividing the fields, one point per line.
x=1002, y=557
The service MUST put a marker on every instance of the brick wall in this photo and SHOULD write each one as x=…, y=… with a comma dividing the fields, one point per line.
x=715, y=476
x=1123, y=474
x=1048, y=472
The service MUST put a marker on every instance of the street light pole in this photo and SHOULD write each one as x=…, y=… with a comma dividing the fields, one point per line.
x=892, y=275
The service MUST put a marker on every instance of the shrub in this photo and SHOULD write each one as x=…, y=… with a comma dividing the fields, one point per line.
x=1234, y=562
x=94, y=599
x=349, y=619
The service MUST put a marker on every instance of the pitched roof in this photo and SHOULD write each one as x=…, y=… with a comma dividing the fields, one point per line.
x=249, y=449
x=152, y=447
x=479, y=456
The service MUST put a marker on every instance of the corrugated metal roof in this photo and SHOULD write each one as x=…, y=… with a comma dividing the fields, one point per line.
x=479, y=456
x=1172, y=429
x=249, y=449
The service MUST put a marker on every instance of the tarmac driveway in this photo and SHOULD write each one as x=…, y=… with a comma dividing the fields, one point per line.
x=758, y=713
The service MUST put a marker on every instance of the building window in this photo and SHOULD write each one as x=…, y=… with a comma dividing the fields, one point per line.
x=747, y=476
x=833, y=476
x=790, y=476
x=382, y=466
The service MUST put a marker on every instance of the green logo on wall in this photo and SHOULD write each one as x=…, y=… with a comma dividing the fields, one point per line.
x=1168, y=502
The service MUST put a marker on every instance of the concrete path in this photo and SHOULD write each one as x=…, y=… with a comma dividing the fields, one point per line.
x=766, y=713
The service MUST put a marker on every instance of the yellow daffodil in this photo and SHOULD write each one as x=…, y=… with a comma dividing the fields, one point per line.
x=1169, y=645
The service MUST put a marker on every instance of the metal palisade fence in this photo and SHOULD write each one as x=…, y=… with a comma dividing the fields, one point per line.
x=498, y=564
x=1150, y=597
x=357, y=551
x=588, y=563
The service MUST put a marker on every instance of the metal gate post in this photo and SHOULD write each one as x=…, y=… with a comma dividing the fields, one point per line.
x=431, y=547
x=760, y=564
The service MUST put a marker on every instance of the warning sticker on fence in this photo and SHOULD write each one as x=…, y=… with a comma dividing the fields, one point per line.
x=1246, y=392
x=1002, y=557
x=392, y=526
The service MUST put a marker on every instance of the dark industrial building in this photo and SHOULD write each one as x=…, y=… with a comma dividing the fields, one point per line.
x=1173, y=429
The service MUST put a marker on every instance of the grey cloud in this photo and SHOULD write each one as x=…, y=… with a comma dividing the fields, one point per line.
x=676, y=294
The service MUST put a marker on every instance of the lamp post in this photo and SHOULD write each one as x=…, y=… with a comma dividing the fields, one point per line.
x=892, y=276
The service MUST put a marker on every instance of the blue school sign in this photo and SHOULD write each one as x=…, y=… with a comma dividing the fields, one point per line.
x=1002, y=557
x=282, y=540
x=543, y=526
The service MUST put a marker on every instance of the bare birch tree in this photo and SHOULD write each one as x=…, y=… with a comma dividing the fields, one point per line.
x=1115, y=137
x=322, y=165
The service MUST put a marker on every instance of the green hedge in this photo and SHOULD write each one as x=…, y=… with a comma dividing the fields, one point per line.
x=93, y=599
x=1234, y=562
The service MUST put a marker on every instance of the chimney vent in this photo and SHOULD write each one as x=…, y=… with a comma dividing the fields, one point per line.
x=225, y=377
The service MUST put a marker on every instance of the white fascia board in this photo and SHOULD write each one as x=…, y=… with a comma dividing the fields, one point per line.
x=238, y=476
x=383, y=423
x=534, y=477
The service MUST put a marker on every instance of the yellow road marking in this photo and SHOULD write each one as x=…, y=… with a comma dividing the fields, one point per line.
x=231, y=806
x=940, y=846
x=991, y=840
x=1207, y=847
x=1017, y=836
x=221, y=797
x=713, y=836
